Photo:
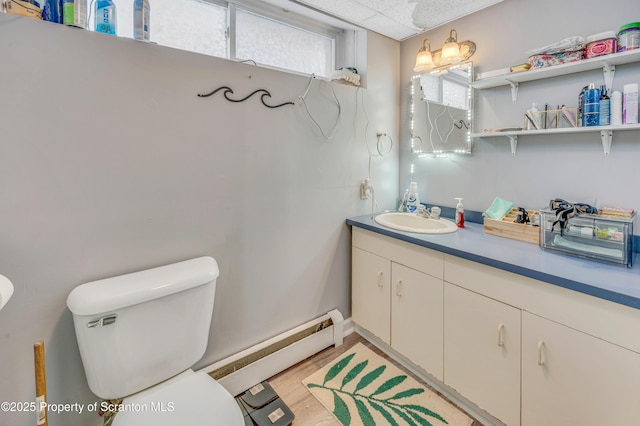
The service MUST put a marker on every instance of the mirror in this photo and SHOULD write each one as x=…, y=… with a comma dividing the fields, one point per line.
x=442, y=110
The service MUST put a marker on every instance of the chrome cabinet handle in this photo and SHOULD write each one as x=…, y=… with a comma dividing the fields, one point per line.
x=380, y=275
x=541, y=359
x=501, y=335
x=399, y=288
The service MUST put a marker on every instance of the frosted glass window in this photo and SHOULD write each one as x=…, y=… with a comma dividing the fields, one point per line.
x=193, y=25
x=197, y=26
x=275, y=39
x=269, y=42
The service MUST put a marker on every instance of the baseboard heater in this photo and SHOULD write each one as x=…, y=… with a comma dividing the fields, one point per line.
x=245, y=369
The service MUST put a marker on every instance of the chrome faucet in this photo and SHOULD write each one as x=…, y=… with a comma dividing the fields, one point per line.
x=422, y=211
x=434, y=213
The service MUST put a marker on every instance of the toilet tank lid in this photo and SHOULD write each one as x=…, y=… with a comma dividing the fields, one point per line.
x=110, y=294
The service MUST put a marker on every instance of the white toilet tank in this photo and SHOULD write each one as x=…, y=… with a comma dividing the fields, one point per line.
x=139, y=329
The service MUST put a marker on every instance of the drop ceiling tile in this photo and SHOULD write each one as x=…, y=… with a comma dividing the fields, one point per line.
x=384, y=5
x=388, y=27
x=348, y=10
x=402, y=15
x=432, y=13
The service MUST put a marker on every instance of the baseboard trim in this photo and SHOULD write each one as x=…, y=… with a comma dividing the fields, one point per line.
x=247, y=368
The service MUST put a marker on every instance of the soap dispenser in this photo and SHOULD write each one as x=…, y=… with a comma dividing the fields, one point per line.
x=413, y=201
x=460, y=213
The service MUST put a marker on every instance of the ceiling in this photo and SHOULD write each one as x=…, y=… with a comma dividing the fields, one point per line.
x=398, y=19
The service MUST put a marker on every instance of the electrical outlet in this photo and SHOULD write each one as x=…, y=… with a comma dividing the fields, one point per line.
x=365, y=189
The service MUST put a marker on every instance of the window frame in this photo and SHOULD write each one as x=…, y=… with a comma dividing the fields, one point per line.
x=279, y=15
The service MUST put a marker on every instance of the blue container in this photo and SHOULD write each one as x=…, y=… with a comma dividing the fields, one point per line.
x=106, y=17
x=592, y=106
x=52, y=11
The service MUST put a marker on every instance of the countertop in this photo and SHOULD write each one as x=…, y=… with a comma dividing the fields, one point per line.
x=615, y=283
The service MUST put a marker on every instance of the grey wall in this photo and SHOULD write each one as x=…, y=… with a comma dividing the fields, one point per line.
x=569, y=166
x=109, y=164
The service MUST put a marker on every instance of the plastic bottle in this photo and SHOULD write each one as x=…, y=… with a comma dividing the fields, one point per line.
x=581, y=106
x=630, y=104
x=592, y=105
x=616, y=108
x=413, y=201
x=403, y=203
x=460, y=213
x=141, y=20
x=605, y=107
x=534, y=122
x=74, y=13
x=106, y=17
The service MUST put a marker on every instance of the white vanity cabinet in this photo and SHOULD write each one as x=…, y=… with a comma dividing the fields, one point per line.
x=528, y=352
x=416, y=317
x=482, y=351
x=397, y=296
x=572, y=378
x=370, y=292
x=580, y=355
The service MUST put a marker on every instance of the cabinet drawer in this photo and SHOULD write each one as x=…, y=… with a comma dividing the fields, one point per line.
x=601, y=318
x=415, y=257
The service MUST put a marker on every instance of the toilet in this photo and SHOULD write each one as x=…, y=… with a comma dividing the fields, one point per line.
x=139, y=334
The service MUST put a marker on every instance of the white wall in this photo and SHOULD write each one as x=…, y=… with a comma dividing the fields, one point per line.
x=109, y=164
x=569, y=166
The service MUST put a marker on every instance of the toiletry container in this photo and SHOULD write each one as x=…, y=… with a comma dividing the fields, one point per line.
x=581, y=106
x=601, y=44
x=106, y=17
x=413, y=201
x=52, y=11
x=74, y=13
x=141, y=20
x=533, y=121
x=139, y=334
x=630, y=104
x=616, y=108
x=460, y=213
x=591, y=106
x=403, y=203
x=605, y=107
x=629, y=37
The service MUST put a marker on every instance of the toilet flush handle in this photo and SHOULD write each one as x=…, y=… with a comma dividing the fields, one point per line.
x=105, y=320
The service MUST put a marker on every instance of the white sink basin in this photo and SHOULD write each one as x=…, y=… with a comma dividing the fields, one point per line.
x=410, y=222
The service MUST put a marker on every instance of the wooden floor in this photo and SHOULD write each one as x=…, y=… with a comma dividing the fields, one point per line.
x=308, y=411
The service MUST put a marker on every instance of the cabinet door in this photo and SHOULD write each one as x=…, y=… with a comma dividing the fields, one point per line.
x=370, y=292
x=482, y=352
x=572, y=378
x=416, y=317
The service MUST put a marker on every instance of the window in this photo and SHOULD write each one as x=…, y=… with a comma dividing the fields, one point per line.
x=281, y=45
x=242, y=30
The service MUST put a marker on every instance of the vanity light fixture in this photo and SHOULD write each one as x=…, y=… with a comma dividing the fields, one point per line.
x=451, y=53
x=424, y=59
x=451, y=49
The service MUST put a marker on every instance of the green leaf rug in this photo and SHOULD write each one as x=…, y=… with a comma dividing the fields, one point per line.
x=361, y=388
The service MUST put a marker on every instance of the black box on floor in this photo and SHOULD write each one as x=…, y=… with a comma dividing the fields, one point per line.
x=259, y=395
x=276, y=413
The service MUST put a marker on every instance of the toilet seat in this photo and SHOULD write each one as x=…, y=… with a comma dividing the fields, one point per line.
x=189, y=399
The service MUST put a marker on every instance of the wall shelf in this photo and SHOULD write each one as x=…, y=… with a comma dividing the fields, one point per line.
x=606, y=134
x=607, y=63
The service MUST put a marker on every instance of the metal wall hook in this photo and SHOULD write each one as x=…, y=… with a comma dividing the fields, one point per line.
x=228, y=90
